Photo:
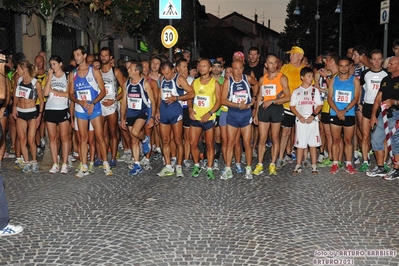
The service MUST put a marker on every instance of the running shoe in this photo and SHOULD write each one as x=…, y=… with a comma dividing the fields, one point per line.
x=349, y=169
x=272, y=169
x=179, y=171
x=83, y=171
x=279, y=164
x=321, y=158
x=364, y=168
x=196, y=171
x=215, y=166
x=91, y=167
x=146, y=145
x=186, y=164
x=227, y=174
x=315, y=171
x=326, y=163
x=377, y=171
x=297, y=169
x=209, y=174
x=166, y=172
x=112, y=164
x=54, y=169
x=248, y=172
x=258, y=169
x=239, y=169
x=334, y=169
x=98, y=163
x=392, y=176
x=27, y=168
x=107, y=170
x=64, y=169
x=136, y=170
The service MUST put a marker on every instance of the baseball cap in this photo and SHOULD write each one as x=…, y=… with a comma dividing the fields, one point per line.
x=295, y=49
x=214, y=62
x=240, y=55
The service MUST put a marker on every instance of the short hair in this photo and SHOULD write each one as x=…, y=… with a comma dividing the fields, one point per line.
x=186, y=52
x=305, y=71
x=167, y=64
x=106, y=48
x=178, y=56
x=395, y=43
x=361, y=49
x=81, y=48
x=335, y=57
x=139, y=67
x=253, y=48
x=345, y=58
x=375, y=51
x=179, y=61
x=207, y=60
x=271, y=54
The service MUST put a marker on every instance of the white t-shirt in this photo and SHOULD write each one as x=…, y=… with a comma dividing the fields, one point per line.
x=304, y=101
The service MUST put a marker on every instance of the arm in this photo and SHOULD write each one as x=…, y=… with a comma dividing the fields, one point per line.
x=123, y=107
x=41, y=102
x=121, y=80
x=376, y=106
x=254, y=85
x=148, y=89
x=101, y=86
x=47, y=87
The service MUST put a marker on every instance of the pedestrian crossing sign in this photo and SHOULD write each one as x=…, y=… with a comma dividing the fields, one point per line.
x=170, y=9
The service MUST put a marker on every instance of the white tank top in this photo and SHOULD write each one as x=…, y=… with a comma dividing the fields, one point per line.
x=57, y=102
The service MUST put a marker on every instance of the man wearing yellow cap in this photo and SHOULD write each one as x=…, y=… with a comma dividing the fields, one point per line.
x=292, y=72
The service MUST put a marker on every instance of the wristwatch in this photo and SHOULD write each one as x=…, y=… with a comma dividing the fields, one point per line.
x=346, y=109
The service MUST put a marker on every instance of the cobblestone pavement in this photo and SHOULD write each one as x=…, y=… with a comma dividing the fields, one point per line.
x=148, y=220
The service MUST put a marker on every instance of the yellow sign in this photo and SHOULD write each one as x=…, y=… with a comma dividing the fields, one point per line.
x=169, y=36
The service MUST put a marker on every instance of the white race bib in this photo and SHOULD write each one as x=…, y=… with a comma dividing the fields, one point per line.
x=166, y=93
x=109, y=89
x=135, y=103
x=343, y=96
x=84, y=95
x=23, y=92
x=240, y=97
x=202, y=101
x=269, y=90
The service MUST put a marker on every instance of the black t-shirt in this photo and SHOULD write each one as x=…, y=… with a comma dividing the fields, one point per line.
x=390, y=88
x=258, y=70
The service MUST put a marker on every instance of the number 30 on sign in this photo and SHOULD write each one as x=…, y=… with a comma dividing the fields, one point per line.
x=169, y=36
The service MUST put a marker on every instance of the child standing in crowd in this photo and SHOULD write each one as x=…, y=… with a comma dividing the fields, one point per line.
x=305, y=105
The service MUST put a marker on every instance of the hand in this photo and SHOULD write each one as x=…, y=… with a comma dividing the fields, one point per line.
x=205, y=118
x=50, y=72
x=302, y=119
x=15, y=114
x=38, y=120
x=158, y=117
x=310, y=119
x=90, y=108
x=256, y=119
x=150, y=123
x=373, y=122
x=191, y=113
x=388, y=103
x=123, y=124
x=108, y=102
x=170, y=99
x=360, y=108
x=266, y=104
x=341, y=115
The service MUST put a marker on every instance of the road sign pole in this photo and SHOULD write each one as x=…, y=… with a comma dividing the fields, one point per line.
x=385, y=52
x=170, y=49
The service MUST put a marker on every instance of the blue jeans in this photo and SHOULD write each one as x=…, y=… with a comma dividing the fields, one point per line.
x=4, y=215
x=378, y=135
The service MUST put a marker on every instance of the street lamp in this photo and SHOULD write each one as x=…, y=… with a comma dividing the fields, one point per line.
x=339, y=10
x=316, y=17
x=297, y=11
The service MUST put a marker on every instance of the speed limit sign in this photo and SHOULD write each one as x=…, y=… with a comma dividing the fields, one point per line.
x=169, y=36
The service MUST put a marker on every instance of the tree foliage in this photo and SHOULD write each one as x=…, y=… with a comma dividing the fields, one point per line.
x=360, y=25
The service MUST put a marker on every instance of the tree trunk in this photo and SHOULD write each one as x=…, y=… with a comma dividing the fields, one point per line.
x=47, y=161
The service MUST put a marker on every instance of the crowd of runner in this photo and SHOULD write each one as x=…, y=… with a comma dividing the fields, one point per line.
x=203, y=115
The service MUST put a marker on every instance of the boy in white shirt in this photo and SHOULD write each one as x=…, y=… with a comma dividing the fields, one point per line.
x=306, y=104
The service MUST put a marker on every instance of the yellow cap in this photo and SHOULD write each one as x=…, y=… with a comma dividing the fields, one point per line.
x=296, y=49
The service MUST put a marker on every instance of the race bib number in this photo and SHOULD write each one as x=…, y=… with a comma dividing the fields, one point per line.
x=269, y=90
x=166, y=93
x=84, y=95
x=58, y=89
x=135, y=103
x=343, y=96
x=23, y=92
x=202, y=101
x=240, y=97
x=109, y=89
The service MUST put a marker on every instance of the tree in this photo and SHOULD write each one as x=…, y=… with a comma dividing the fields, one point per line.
x=120, y=16
x=360, y=25
x=50, y=9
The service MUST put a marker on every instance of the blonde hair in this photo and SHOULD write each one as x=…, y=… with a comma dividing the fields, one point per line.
x=32, y=69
